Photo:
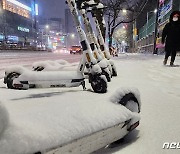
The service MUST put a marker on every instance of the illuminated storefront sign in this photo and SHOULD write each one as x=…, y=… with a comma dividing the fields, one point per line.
x=166, y=8
x=36, y=10
x=23, y=29
x=16, y=7
x=12, y=38
x=1, y=37
x=20, y=4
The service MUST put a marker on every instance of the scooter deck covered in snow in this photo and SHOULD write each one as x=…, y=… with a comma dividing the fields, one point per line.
x=96, y=141
x=56, y=126
x=18, y=77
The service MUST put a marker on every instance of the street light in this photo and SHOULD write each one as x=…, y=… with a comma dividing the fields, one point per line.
x=124, y=11
x=72, y=35
x=123, y=42
x=69, y=39
x=156, y=26
x=47, y=27
x=47, y=35
x=155, y=11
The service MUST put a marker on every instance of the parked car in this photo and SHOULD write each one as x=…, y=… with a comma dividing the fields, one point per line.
x=75, y=50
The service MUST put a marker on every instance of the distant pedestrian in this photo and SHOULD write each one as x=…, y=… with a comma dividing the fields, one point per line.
x=171, y=37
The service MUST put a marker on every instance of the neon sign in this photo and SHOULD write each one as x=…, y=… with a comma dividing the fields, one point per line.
x=23, y=29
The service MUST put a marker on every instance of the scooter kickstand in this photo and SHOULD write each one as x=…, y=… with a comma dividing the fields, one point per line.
x=83, y=85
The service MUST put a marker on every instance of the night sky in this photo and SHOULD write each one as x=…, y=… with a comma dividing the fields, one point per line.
x=51, y=8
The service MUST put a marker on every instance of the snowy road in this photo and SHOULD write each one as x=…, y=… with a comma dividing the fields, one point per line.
x=26, y=58
x=160, y=94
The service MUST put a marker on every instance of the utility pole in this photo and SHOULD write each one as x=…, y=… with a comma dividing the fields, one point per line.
x=35, y=22
x=5, y=25
x=134, y=35
x=156, y=28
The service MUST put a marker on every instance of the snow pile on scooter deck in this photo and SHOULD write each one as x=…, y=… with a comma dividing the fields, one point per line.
x=47, y=65
x=41, y=123
x=55, y=65
x=4, y=119
x=16, y=68
x=49, y=76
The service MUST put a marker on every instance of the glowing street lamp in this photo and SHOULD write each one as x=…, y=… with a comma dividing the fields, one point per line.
x=124, y=11
x=47, y=26
x=47, y=35
x=72, y=35
x=155, y=11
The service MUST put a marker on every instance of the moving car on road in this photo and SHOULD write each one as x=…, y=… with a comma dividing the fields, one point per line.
x=75, y=50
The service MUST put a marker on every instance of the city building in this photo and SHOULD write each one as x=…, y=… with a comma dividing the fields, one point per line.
x=18, y=22
x=51, y=32
x=146, y=28
x=69, y=22
x=70, y=29
x=56, y=24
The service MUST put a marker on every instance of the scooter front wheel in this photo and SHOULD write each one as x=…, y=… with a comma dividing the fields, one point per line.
x=108, y=76
x=131, y=102
x=10, y=79
x=99, y=85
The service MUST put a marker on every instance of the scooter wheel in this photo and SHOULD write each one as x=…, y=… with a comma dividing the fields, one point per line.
x=108, y=76
x=130, y=102
x=10, y=79
x=99, y=85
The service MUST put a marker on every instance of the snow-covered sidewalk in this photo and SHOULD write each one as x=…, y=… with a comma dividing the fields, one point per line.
x=160, y=93
x=159, y=87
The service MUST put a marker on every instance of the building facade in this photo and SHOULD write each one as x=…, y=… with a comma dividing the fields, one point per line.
x=18, y=22
x=71, y=37
x=51, y=32
x=146, y=35
x=69, y=22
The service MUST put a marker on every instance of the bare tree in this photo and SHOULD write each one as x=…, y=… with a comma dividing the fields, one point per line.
x=115, y=16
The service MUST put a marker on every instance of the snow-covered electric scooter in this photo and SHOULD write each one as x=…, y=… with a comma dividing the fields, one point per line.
x=23, y=79
x=67, y=127
x=92, y=40
x=102, y=62
x=104, y=48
